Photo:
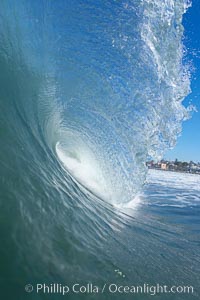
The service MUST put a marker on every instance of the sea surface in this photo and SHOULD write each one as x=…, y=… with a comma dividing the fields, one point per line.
x=89, y=91
x=154, y=240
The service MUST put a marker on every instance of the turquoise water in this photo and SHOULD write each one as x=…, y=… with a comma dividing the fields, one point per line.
x=88, y=92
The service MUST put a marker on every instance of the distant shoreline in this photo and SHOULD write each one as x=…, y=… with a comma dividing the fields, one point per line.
x=174, y=171
x=175, y=166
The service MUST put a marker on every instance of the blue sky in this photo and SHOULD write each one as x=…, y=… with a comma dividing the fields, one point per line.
x=188, y=144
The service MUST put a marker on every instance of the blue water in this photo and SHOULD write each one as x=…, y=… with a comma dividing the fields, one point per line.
x=88, y=92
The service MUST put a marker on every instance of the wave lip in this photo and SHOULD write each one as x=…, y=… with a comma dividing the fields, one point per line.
x=116, y=77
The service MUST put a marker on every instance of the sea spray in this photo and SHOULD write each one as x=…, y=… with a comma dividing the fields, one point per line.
x=112, y=82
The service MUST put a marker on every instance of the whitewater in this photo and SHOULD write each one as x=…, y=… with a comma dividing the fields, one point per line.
x=89, y=91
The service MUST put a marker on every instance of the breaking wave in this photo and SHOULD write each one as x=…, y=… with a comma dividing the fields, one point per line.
x=94, y=88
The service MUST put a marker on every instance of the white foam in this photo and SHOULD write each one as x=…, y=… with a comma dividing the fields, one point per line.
x=175, y=179
x=84, y=168
x=182, y=189
x=133, y=204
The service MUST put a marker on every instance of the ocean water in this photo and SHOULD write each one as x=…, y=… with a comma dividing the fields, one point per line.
x=88, y=92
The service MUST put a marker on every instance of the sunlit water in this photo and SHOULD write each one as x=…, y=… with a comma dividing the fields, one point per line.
x=88, y=92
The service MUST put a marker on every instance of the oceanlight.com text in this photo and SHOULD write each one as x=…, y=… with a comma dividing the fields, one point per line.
x=111, y=288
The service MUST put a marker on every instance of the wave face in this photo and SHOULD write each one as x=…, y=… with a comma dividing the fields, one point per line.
x=88, y=91
x=99, y=86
